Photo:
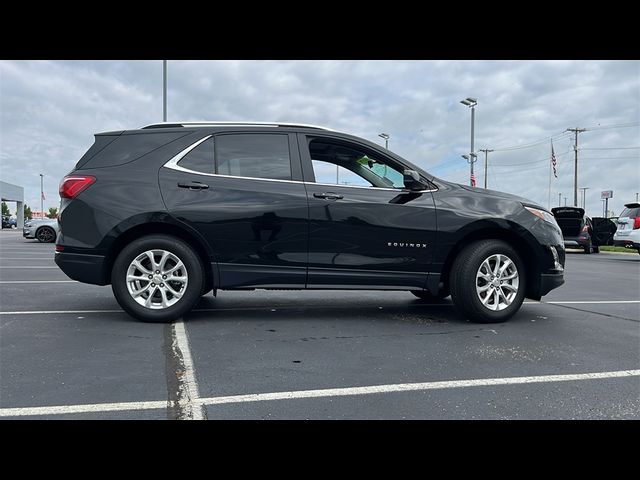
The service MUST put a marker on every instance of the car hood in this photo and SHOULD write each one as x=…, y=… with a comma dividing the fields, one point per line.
x=500, y=195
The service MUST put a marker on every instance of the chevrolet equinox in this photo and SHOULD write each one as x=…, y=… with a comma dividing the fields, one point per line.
x=169, y=212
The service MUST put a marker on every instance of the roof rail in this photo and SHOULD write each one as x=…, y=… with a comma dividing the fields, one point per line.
x=231, y=124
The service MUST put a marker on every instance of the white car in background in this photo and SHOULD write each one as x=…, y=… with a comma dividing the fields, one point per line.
x=628, y=232
x=45, y=230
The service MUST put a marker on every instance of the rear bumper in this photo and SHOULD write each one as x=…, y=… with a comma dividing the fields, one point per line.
x=549, y=281
x=82, y=267
x=627, y=244
x=576, y=242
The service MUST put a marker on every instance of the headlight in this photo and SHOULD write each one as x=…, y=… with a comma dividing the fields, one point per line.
x=544, y=215
x=28, y=224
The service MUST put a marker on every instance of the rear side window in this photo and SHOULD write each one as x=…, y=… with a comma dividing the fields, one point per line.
x=200, y=159
x=254, y=155
x=630, y=212
x=100, y=143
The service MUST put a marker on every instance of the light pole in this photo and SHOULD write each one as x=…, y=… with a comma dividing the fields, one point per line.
x=164, y=90
x=471, y=103
x=584, y=197
x=559, y=198
x=42, y=195
x=386, y=139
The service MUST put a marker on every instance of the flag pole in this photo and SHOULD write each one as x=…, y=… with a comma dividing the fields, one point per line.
x=550, y=168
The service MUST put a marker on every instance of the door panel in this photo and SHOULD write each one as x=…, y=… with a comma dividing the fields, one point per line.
x=257, y=228
x=366, y=236
x=603, y=230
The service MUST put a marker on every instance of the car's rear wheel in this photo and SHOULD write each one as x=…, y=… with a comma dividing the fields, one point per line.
x=488, y=281
x=157, y=278
x=46, y=235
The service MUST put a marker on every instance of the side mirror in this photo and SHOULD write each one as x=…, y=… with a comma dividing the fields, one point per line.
x=412, y=180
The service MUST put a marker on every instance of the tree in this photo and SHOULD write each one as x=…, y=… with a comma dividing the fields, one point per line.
x=53, y=212
x=27, y=212
x=5, y=210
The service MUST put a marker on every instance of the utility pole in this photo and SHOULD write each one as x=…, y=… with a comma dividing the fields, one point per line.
x=559, y=198
x=486, y=154
x=42, y=195
x=386, y=139
x=584, y=197
x=565, y=201
x=636, y=197
x=576, y=131
x=164, y=90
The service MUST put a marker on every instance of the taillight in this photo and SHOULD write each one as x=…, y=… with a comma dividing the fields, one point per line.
x=72, y=185
x=59, y=248
x=584, y=229
x=636, y=223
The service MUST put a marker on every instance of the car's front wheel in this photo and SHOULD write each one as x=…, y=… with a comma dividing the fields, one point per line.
x=157, y=278
x=46, y=235
x=488, y=281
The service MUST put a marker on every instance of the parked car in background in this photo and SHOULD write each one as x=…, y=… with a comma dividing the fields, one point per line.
x=580, y=231
x=45, y=230
x=628, y=233
x=8, y=222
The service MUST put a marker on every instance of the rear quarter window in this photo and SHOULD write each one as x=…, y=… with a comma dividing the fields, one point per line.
x=127, y=148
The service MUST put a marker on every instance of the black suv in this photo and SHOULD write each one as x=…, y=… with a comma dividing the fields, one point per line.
x=169, y=212
x=580, y=231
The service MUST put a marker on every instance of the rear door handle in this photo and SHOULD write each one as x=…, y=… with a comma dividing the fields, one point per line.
x=328, y=196
x=193, y=185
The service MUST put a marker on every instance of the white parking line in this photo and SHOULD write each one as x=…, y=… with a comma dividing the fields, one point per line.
x=90, y=408
x=30, y=266
x=595, y=302
x=284, y=307
x=39, y=281
x=188, y=398
x=408, y=387
x=327, y=392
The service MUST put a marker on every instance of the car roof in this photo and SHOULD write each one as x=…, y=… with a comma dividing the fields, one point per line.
x=232, y=124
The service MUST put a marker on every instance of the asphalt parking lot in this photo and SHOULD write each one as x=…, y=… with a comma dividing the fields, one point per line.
x=67, y=351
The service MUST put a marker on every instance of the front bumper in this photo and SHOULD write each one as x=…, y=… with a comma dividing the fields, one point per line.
x=29, y=232
x=549, y=281
x=83, y=268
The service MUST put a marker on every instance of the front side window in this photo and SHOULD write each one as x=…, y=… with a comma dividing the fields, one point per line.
x=254, y=155
x=338, y=164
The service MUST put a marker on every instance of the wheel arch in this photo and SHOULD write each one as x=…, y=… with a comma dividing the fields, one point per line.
x=521, y=240
x=161, y=227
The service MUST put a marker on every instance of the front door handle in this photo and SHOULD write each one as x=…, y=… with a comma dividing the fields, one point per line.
x=328, y=196
x=193, y=185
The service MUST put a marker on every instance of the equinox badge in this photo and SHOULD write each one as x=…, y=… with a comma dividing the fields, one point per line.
x=408, y=245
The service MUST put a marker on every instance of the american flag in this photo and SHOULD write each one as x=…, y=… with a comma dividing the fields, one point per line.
x=473, y=179
x=42, y=195
x=553, y=161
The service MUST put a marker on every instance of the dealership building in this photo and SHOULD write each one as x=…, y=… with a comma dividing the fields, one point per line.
x=14, y=193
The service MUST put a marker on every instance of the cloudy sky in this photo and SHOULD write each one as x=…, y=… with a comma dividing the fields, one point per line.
x=49, y=111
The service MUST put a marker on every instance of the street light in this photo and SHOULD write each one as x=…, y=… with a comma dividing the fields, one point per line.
x=471, y=103
x=386, y=139
x=42, y=195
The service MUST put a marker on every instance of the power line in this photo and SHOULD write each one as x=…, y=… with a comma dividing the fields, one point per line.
x=546, y=159
x=612, y=148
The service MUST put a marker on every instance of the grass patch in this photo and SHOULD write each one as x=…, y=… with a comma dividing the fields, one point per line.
x=609, y=248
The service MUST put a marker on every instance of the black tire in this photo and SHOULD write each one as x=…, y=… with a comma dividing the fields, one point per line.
x=426, y=296
x=46, y=235
x=190, y=296
x=588, y=249
x=596, y=249
x=463, y=281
